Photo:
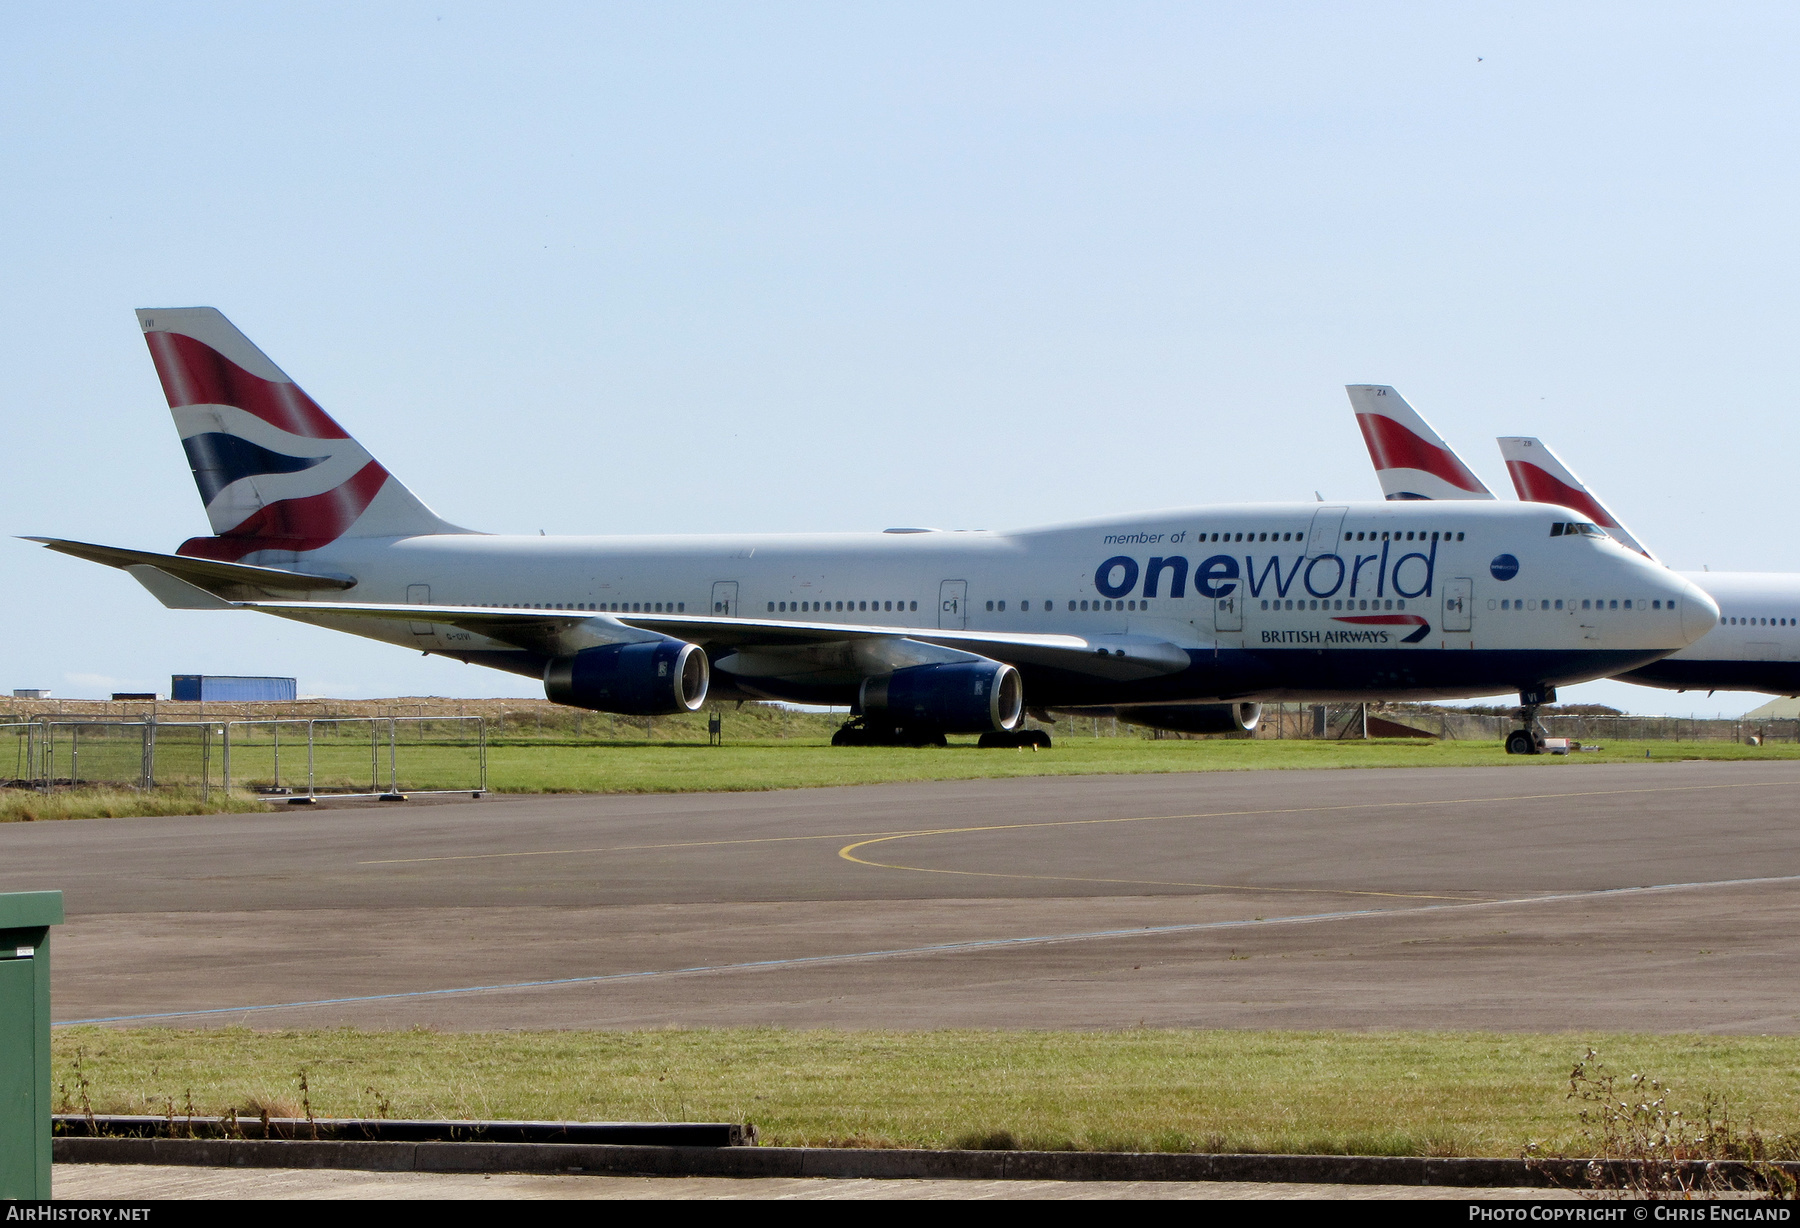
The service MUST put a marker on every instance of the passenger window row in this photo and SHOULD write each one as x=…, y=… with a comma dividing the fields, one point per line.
x=1595, y=603
x=841, y=607
x=999, y=607
x=1759, y=622
x=1341, y=603
x=617, y=607
x=1396, y=535
x=1385, y=535
x=1102, y=605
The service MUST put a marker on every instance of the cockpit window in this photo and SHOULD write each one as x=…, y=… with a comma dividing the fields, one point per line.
x=1579, y=528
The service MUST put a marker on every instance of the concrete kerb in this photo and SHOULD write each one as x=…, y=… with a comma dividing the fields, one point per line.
x=612, y=1160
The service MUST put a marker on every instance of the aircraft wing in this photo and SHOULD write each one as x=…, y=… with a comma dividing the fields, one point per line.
x=561, y=632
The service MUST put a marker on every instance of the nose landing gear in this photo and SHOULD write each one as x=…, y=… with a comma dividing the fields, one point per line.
x=1530, y=740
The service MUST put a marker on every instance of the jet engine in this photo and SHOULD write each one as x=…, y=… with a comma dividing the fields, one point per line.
x=958, y=697
x=652, y=678
x=1195, y=718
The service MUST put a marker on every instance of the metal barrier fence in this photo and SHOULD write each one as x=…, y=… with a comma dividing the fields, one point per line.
x=298, y=759
x=1341, y=721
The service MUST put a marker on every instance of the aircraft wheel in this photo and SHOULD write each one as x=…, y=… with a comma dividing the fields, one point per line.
x=1520, y=742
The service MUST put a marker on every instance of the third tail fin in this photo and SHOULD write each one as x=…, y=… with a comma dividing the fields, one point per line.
x=1539, y=476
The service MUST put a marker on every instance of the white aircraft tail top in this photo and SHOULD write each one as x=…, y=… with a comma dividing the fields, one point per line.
x=275, y=471
x=1540, y=476
x=1412, y=461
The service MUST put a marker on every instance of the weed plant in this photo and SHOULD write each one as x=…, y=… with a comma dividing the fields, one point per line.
x=1638, y=1144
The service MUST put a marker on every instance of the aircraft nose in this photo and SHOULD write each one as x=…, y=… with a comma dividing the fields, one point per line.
x=1699, y=612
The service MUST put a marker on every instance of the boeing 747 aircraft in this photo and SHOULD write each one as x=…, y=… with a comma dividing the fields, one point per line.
x=1182, y=619
x=1755, y=647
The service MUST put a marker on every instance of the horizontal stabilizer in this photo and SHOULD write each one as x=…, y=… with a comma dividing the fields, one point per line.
x=174, y=592
x=209, y=574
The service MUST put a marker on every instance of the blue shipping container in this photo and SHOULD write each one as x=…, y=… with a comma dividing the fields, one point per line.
x=228, y=688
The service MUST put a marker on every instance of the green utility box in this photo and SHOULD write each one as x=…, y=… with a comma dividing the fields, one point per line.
x=25, y=921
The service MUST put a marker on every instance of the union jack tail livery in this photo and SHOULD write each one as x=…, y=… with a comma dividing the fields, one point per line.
x=1539, y=476
x=1412, y=461
x=278, y=476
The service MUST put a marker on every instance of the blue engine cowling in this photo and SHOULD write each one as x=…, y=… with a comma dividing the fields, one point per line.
x=961, y=697
x=653, y=678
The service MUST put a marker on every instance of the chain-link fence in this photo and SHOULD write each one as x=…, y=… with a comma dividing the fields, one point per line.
x=297, y=759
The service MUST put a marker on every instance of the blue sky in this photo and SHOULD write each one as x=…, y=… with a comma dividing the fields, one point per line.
x=645, y=268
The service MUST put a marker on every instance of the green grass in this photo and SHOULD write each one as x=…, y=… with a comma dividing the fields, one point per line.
x=564, y=765
x=1415, y=1093
x=521, y=767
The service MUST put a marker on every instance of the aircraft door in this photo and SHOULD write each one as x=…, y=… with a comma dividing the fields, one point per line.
x=1228, y=613
x=1457, y=595
x=725, y=598
x=1327, y=532
x=953, y=605
x=420, y=594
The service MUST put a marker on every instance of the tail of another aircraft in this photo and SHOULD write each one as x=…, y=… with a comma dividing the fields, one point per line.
x=1410, y=459
x=1539, y=476
x=278, y=476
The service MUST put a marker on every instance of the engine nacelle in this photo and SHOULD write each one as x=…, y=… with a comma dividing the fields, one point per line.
x=1196, y=718
x=652, y=678
x=958, y=697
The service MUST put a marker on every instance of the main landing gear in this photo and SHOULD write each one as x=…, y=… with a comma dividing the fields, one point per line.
x=858, y=732
x=1530, y=740
x=1015, y=739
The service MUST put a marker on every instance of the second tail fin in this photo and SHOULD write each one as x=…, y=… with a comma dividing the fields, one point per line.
x=1410, y=458
x=275, y=472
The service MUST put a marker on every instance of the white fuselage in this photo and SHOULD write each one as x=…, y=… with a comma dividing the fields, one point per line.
x=1269, y=601
x=1754, y=647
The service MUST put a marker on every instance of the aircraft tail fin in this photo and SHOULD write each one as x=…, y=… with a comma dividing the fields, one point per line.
x=1540, y=476
x=279, y=477
x=1411, y=459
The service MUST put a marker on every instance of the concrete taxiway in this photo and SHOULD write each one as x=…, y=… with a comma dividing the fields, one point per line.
x=1534, y=897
